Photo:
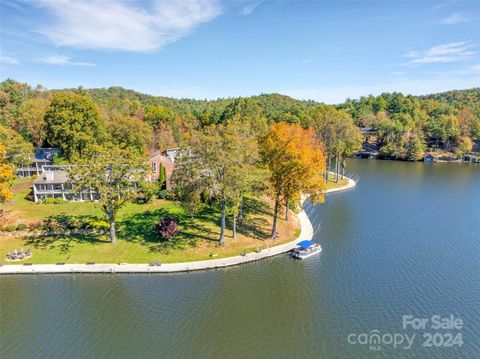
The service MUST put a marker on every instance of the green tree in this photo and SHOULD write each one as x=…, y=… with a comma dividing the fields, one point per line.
x=415, y=148
x=18, y=152
x=464, y=145
x=157, y=115
x=187, y=179
x=218, y=161
x=18, y=92
x=337, y=132
x=162, y=175
x=246, y=110
x=244, y=176
x=113, y=174
x=323, y=120
x=73, y=123
x=349, y=139
x=129, y=132
x=31, y=119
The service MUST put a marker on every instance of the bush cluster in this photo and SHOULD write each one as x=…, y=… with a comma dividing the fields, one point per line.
x=98, y=225
x=21, y=227
x=10, y=228
x=163, y=194
x=50, y=200
x=68, y=223
x=167, y=227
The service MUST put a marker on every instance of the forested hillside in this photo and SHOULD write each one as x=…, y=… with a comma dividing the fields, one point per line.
x=406, y=125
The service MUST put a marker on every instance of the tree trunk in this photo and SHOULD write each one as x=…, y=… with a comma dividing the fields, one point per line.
x=335, y=168
x=113, y=234
x=329, y=159
x=234, y=227
x=338, y=168
x=240, y=211
x=222, y=223
x=286, y=211
x=275, y=215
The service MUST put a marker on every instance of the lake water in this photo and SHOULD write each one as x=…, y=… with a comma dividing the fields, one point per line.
x=405, y=241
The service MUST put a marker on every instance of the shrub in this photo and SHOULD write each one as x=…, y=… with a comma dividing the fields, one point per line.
x=61, y=222
x=35, y=225
x=21, y=227
x=59, y=200
x=10, y=228
x=147, y=191
x=163, y=194
x=100, y=225
x=167, y=227
x=49, y=200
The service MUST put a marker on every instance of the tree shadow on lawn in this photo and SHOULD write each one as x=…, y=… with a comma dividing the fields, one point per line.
x=252, y=223
x=63, y=241
x=256, y=206
x=141, y=227
x=65, y=223
x=253, y=228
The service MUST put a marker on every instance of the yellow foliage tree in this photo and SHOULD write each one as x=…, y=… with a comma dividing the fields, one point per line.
x=296, y=162
x=6, y=177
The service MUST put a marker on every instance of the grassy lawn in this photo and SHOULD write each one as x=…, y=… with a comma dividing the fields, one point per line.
x=137, y=240
x=332, y=184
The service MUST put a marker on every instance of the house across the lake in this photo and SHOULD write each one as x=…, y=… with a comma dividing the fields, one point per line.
x=428, y=158
x=42, y=157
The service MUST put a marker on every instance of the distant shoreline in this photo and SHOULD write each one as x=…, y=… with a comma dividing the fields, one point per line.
x=305, y=234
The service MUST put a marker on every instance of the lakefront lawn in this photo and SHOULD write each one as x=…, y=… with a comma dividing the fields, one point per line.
x=138, y=242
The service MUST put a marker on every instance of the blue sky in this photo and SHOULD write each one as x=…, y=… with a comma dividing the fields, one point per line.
x=326, y=51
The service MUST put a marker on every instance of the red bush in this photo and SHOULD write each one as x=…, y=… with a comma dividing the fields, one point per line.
x=167, y=227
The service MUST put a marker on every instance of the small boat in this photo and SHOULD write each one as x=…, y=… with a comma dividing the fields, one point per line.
x=306, y=249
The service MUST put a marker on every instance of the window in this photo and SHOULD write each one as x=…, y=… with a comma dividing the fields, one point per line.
x=154, y=167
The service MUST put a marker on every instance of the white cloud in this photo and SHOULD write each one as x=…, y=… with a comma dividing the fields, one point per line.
x=63, y=61
x=118, y=25
x=454, y=19
x=9, y=60
x=412, y=54
x=249, y=8
x=451, y=52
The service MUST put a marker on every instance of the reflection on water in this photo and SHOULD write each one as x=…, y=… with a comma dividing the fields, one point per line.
x=404, y=241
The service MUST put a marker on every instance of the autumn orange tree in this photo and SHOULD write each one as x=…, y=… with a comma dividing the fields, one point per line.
x=296, y=162
x=6, y=176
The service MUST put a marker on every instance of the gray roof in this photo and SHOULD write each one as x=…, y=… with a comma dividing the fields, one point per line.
x=58, y=177
x=46, y=154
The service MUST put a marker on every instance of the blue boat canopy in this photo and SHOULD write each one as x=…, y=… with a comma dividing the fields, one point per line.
x=306, y=244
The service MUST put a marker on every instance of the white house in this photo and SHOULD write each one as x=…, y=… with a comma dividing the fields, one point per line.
x=53, y=183
x=42, y=157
